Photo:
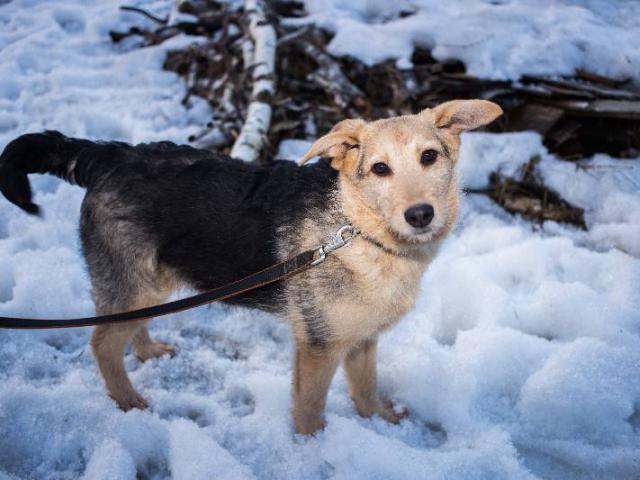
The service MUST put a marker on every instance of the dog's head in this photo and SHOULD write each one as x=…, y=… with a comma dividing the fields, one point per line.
x=398, y=174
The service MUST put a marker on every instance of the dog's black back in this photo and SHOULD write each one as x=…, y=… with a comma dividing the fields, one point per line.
x=217, y=219
x=211, y=219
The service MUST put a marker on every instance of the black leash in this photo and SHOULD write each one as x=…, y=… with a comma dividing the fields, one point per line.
x=277, y=272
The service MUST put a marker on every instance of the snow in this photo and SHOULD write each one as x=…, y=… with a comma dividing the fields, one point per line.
x=497, y=39
x=605, y=187
x=60, y=70
x=293, y=149
x=521, y=359
x=189, y=446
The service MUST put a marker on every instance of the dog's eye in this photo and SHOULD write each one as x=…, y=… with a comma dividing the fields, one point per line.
x=428, y=157
x=381, y=169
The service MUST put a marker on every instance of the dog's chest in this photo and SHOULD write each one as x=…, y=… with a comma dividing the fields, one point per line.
x=379, y=290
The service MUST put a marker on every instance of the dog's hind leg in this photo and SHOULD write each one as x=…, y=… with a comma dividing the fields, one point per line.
x=145, y=348
x=125, y=276
x=109, y=343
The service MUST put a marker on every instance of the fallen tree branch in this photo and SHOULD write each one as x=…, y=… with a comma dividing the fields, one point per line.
x=602, y=108
x=331, y=77
x=150, y=16
x=252, y=136
x=527, y=195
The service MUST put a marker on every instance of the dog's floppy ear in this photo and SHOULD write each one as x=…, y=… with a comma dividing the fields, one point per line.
x=342, y=138
x=460, y=115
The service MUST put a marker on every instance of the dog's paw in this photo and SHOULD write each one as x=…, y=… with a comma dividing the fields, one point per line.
x=309, y=428
x=131, y=400
x=154, y=350
x=387, y=411
x=308, y=424
x=383, y=408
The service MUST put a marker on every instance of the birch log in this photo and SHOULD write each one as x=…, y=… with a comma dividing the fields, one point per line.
x=251, y=139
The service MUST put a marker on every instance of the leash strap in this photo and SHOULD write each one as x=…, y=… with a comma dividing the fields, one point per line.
x=280, y=271
x=277, y=272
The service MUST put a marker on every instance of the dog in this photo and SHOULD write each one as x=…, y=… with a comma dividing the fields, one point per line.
x=160, y=216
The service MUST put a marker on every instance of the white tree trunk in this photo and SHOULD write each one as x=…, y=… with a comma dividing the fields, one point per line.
x=251, y=139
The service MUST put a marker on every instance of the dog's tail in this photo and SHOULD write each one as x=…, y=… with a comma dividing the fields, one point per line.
x=48, y=152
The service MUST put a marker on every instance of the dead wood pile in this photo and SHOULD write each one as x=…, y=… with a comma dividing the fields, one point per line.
x=576, y=116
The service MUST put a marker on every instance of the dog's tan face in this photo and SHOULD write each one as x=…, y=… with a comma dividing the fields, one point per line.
x=401, y=170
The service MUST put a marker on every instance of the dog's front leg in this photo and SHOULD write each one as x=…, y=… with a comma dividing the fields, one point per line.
x=313, y=371
x=360, y=370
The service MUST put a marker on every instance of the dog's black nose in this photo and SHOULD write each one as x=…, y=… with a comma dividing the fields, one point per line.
x=419, y=216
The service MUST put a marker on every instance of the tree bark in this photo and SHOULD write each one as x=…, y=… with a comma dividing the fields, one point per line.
x=252, y=136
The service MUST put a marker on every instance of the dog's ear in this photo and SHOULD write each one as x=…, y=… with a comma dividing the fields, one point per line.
x=460, y=115
x=343, y=138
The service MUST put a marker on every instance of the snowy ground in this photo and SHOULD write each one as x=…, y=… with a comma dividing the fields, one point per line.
x=498, y=39
x=521, y=359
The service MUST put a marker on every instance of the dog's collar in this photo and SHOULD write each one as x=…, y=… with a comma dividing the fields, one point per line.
x=352, y=232
x=380, y=245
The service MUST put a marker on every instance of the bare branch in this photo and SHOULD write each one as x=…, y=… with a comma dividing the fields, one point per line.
x=150, y=16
